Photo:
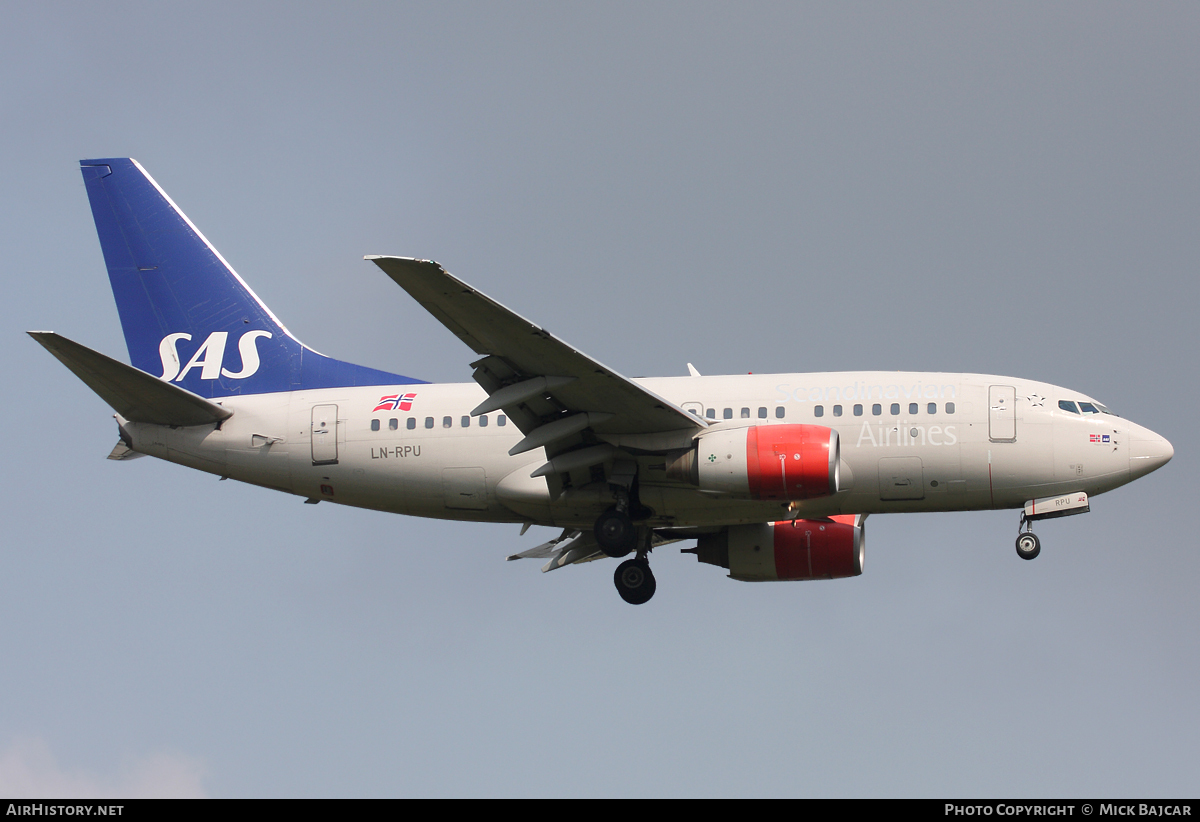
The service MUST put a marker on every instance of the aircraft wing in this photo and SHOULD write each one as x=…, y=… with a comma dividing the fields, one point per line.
x=551, y=391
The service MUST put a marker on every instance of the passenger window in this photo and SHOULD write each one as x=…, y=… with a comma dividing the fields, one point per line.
x=895, y=409
x=393, y=424
x=483, y=421
x=762, y=412
x=819, y=411
x=876, y=409
x=914, y=408
x=411, y=424
x=779, y=412
x=501, y=420
x=745, y=413
x=429, y=422
x=837, y=410
x=949, y=408
x=727, y=413
x=374, y=425
x=447, y=422
x=466, y=422
x=711, y=413
x=1088, y=408
x=931, y=408
x=858, y=410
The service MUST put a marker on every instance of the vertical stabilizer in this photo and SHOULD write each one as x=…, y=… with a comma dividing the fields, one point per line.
x=187, y=315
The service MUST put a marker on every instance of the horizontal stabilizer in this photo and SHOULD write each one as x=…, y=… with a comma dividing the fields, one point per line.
x=121, y=451
x=132, y=393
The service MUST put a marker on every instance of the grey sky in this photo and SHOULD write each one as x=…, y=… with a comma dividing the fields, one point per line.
x=1000, y=188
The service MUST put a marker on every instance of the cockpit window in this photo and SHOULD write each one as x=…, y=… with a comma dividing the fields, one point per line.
x=1088, y=408
x=1067, y=405
x=1104, y=410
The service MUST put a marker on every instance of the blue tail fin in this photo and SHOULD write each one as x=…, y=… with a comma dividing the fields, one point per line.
x=188, y=317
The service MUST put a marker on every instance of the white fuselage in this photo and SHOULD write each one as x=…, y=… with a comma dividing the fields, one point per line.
x=909, y=442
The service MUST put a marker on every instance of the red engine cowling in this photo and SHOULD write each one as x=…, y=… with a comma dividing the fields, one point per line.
x=789, y=550
x=808, y=549
x=772, y=462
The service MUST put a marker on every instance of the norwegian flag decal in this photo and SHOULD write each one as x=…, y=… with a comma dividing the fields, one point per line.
x=392, y=402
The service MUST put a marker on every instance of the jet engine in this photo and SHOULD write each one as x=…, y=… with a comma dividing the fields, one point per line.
x=772, y=462
x=789, y=550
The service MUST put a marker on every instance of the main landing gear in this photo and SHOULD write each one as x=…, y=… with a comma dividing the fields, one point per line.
x=1028, y=545
x=615, y=532
x=618, y=536
x=635, y=581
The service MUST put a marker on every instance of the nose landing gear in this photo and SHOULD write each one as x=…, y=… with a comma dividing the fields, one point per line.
x=1066, y=505
x=1028, y=545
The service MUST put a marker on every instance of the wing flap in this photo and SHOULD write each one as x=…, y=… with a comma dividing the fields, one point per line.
x=131, y=392
x=566, y=549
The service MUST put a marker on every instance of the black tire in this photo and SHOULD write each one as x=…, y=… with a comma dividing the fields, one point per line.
x=635, y=581
x=1028, y=546
x=615, y=533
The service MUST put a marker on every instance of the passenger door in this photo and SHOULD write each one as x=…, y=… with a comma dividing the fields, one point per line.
x=324, y=435
x=1002, y=413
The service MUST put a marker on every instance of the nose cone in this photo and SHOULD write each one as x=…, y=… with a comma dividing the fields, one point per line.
x=1148, y=451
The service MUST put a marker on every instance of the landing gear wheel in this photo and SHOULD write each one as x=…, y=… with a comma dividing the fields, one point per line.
x=1028, y=546
x=635, y=582
x=615, y=533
